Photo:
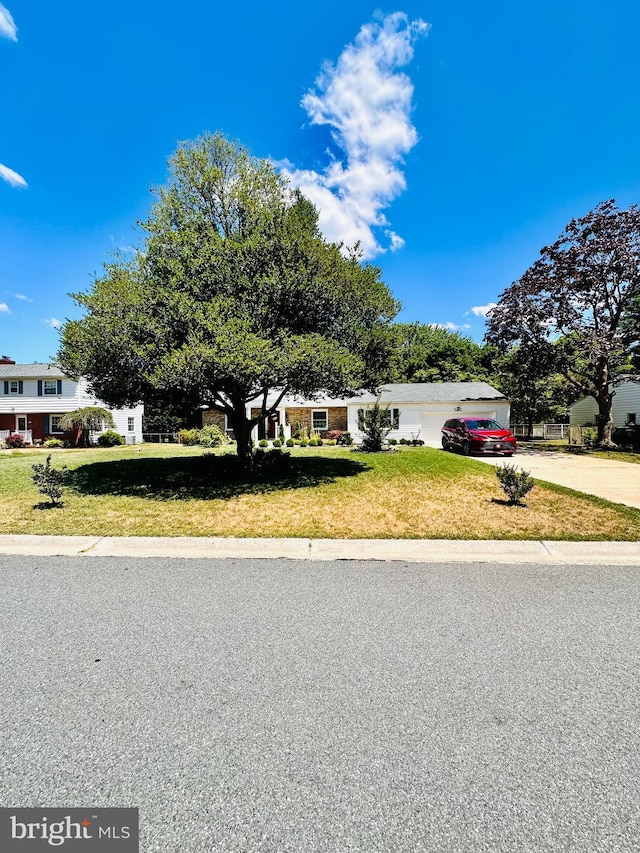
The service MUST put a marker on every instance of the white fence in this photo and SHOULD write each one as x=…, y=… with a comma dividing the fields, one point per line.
x=541, y=430
x=25, y=434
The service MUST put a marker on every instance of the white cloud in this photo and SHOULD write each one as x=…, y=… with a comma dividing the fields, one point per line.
x=4, y=307
x=482, y=310
x=54, y=323
x=366, y=102
x=8, y=28
x=451, y=327
x=22, y=297
x=12, y=177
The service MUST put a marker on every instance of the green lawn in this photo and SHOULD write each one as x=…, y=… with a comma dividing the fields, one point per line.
x=155, y=490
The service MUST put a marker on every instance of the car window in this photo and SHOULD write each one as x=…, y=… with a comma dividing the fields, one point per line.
x=483, y=423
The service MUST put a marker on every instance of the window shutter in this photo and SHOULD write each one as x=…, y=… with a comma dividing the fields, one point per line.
x=46, y=424
x=20, y=387
x=59, y=386
x=6, y=387
x=39, y=387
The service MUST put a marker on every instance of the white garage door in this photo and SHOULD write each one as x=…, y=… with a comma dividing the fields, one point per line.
x=431, y=423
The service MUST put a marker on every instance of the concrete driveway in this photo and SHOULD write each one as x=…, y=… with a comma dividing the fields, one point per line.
x=606, y=478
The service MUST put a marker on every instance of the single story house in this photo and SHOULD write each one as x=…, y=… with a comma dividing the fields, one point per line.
x=416, y=410
x=34, y=396
x=625, y=406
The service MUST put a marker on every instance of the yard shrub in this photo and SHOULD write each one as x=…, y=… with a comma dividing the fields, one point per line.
x=14, y=441
x=211, y=436
x=290, y=442
x=277, y=443
x=331, y=442
x=515, y=484
x=375, y=425
x=49, y=480
x=346, y=439
x=54, y=442
x=403, y=441
x=335, y=435
x=189, y=437
x=263, y=443
x=393, y=441
x=589, y=437
x=304, y=442
x=271, y=462
x=110, y=438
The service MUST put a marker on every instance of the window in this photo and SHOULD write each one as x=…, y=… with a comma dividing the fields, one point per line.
x=319, y=419
x=14, y=387
x=227, y=426
x=130, y=424
x=55, y=423
x=391, y=418
x=50, y=387
x=631, y=418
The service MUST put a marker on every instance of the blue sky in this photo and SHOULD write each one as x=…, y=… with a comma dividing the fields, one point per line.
x=454, y=138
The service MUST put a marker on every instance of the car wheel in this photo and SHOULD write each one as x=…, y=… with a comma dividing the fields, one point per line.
x=445, y=443
x=466, y=450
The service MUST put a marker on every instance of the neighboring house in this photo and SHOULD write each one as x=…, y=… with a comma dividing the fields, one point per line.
x=416, y=410
x=625, y=407
x=34, y=396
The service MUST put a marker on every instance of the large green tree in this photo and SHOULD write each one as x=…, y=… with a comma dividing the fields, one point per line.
x=578, y=295
x=432, y=354
x=235, y=294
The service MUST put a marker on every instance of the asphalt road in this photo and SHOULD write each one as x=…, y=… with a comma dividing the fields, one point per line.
x=254, y=705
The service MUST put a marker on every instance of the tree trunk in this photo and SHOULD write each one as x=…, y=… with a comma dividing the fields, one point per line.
x=604, y=399
x=242, y=432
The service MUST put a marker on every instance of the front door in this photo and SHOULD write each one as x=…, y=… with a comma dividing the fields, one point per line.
x=21, y=423
x=273, y=422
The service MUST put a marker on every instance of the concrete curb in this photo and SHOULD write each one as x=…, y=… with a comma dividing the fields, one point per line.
x=408, y=550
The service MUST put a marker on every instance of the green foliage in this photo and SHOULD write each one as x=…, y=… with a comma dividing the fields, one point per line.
x=49, y=481
x=263, y=443
x=375, y=424
x=430, y=354
x=54, y=442
x=589, y=437
x=211, y=436
x=14, y=441
x=189, y=437
x=277, y=443
x=215, y=306
x=304, y=442
x=515, y=484
x=290, y=442
x=346, y=439
x=280, y=434
x=110, y=438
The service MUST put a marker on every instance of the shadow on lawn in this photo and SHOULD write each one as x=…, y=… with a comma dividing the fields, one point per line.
x=205, y=477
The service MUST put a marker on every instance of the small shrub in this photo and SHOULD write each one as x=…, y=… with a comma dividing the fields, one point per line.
x=110, y=438
x=14, y=441
x=393, y=441
x=280, y=435
x=211, y=436
x=263, y=443
x=277, y=443
x=417, y=442
x=54, y=442
x=271, y=462
x=297, y=441
x=49, y=480
x=331, y=442
x=589, y=437
x=515, y=484
x=318, y=442
x=290, y=442
x=304, y=442
x=403, y=441
x=189, y=437
x=347, y=439
x=335, y=435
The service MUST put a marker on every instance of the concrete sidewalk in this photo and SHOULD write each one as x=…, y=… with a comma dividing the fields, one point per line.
x=408, y=550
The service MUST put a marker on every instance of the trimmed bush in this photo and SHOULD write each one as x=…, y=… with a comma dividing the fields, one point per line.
x=290, y=442
x=211, y=436
x=331, y=442
x=110, y=438
x=14, y=441
x=189, y=437
x=347, y=439
x=393, y=441
x=49, y=481
x=515, y=484
x=263, y=443
x=54, y=442
x=277, y=443
x=304, y=442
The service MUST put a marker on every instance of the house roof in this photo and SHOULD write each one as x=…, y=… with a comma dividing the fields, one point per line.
x=38, y=370
x=432, y=392
x=403, y=392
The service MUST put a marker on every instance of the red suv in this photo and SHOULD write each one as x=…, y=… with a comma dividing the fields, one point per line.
x=477, y=435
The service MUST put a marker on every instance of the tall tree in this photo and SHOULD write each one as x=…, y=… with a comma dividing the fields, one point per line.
x=432, y=354
x=578, y=295
x=235, y=294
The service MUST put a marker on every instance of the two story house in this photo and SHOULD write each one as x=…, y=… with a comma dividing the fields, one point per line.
x=33, y=397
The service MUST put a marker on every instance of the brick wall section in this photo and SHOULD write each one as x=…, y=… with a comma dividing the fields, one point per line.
x=213, y=416
x=336, y=416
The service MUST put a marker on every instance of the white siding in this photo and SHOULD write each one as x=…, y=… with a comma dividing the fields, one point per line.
x=425, y=420
x=625, y=401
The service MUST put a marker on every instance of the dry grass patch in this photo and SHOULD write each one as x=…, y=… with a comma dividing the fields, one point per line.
x=329, y=493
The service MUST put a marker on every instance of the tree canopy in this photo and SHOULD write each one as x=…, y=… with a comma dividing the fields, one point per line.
x=89, y=419
x=427, y=353
x=579, y=297
x=234, y=294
